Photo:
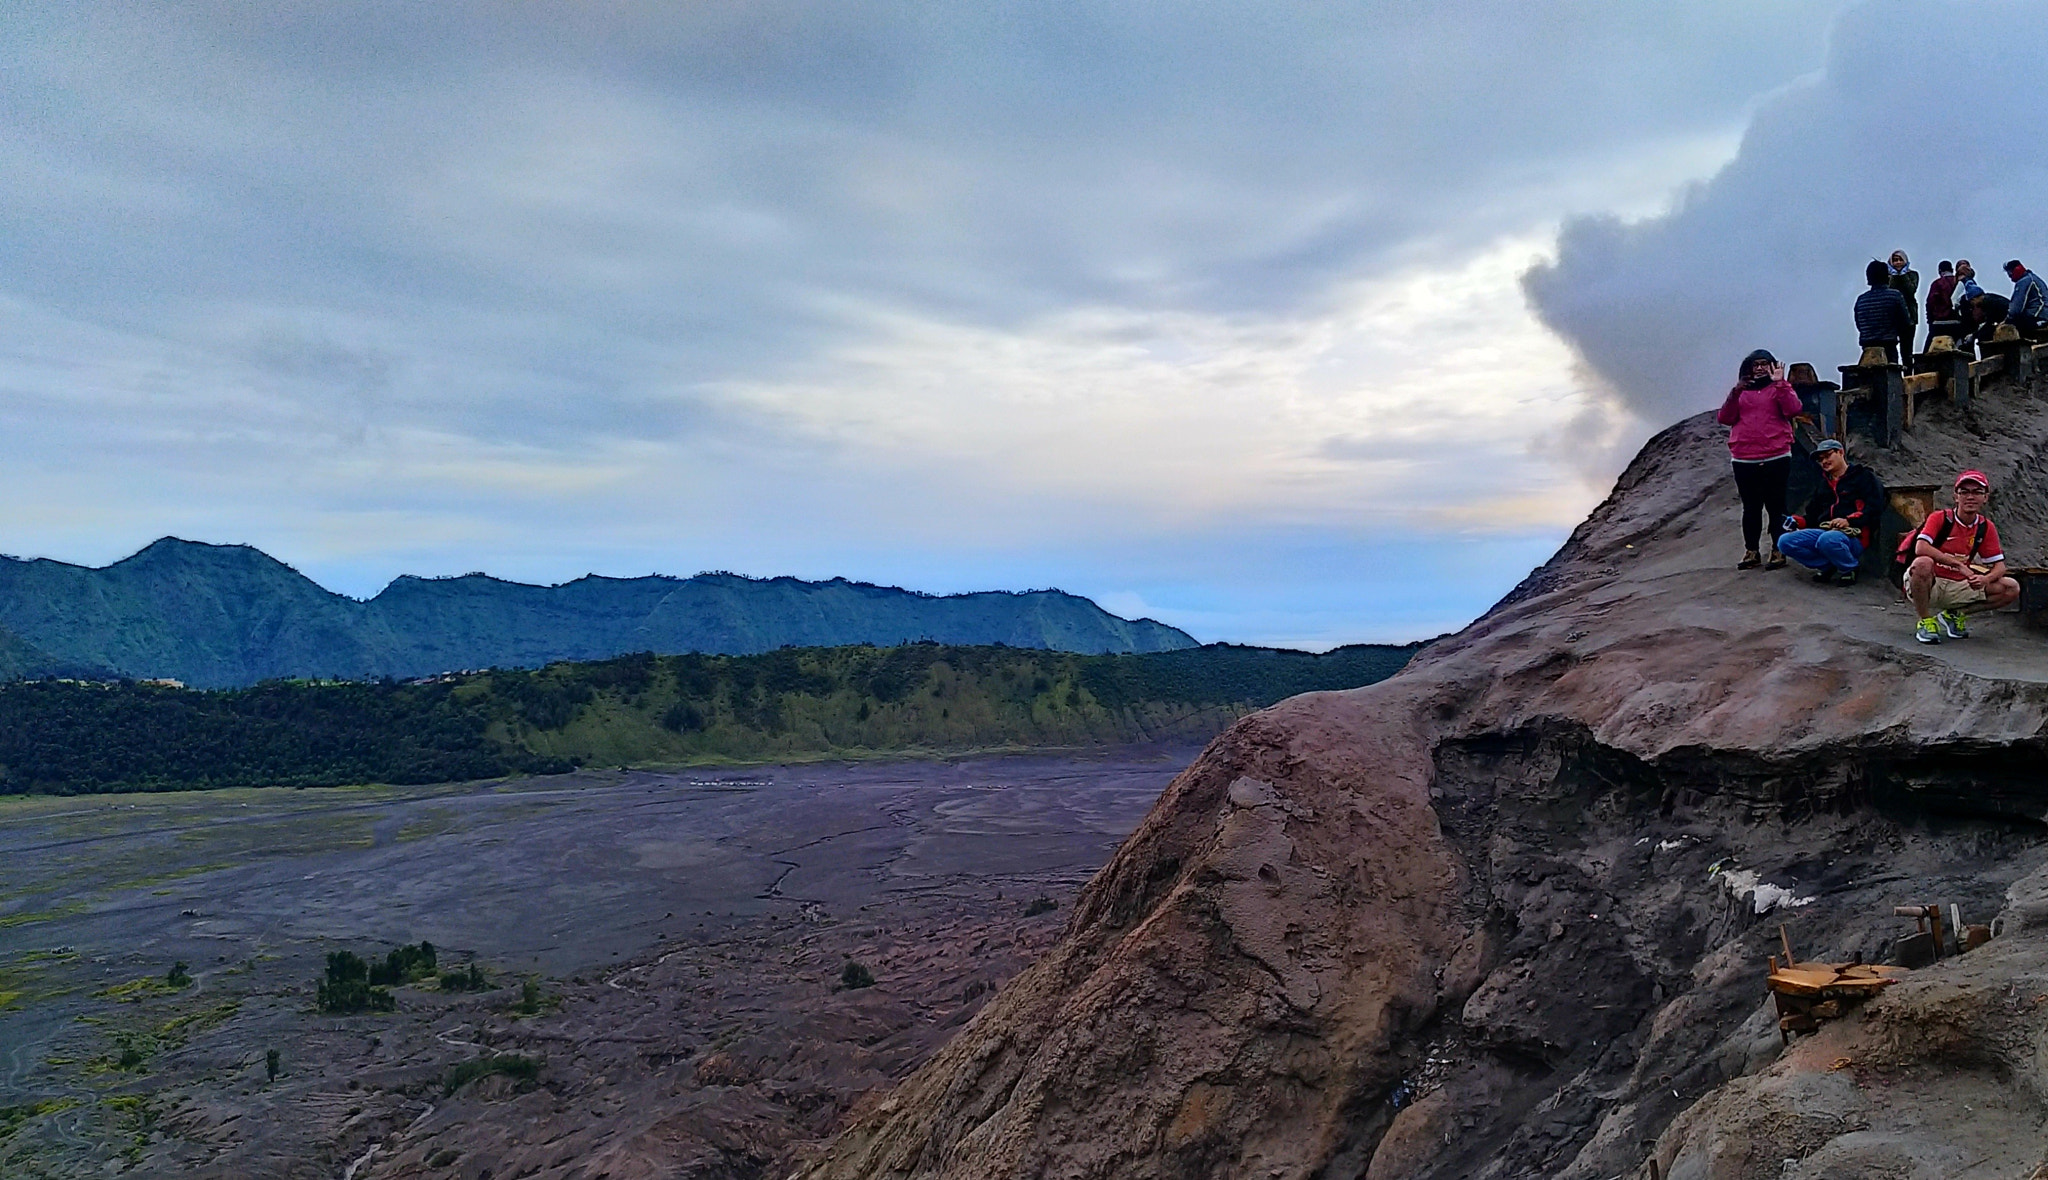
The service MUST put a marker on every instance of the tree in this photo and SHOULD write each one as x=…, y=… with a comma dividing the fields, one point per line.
x=347, y=987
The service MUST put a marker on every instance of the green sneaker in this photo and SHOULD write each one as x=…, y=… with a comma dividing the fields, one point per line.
x=1927, y=632
x=1953, y=624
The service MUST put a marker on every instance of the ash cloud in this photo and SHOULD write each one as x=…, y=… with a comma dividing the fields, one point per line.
x=1923, y=132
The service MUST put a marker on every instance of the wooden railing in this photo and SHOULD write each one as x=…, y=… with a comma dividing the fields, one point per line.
x=1890, y=397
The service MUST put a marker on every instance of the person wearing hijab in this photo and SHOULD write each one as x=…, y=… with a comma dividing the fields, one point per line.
x=1759, y=413
x=1906, y=281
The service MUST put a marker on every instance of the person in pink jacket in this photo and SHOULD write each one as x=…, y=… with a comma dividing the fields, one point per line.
x=1759, y=413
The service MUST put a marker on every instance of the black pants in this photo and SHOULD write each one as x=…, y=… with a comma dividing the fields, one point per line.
x=1763, y=498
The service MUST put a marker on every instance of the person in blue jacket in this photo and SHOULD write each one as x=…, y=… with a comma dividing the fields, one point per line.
x=2029, y=310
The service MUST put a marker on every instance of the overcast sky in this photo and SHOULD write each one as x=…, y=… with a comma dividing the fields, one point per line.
x=1219, y=313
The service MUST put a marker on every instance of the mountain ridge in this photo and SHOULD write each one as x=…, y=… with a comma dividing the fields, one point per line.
x=228, y=615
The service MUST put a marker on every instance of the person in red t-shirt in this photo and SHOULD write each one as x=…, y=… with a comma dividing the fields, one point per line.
x=1958, y=561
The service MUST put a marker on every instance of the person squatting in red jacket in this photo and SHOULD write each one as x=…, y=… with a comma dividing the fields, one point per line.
x=1958, y=562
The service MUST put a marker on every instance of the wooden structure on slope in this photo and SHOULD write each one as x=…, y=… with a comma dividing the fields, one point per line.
x=1808, y=993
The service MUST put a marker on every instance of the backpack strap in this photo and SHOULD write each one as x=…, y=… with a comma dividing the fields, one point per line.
x=1977, y=535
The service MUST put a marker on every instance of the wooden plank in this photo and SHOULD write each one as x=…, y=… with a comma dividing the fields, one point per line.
x=1801, y=983
x=1920, y=383
x=1793, y=984
x=1870, y=971
x=1813, y=974
x=1842, y=979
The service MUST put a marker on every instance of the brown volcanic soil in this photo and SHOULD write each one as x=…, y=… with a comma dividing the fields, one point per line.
x=1506, y=914
x=689, y=932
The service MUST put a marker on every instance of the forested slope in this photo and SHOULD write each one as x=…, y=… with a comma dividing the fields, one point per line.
x=70, y=736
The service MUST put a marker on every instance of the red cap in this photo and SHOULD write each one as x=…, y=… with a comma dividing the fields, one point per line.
x=1974, y=474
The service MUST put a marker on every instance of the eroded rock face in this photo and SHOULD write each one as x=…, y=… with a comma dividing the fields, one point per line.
x=1505, y=914
x=1232, y=989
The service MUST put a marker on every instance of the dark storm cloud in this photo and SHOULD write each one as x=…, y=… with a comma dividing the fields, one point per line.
x=1924, y=133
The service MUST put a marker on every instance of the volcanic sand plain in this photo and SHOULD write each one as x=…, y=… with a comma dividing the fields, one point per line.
x=694, y=922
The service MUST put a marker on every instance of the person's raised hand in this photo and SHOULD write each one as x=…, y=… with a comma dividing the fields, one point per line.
x=1777, y=371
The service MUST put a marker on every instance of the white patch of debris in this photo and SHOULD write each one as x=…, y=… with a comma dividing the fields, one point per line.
x=1747, y=883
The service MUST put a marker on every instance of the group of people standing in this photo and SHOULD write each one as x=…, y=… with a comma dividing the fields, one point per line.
x=1953, y=563
x=1957, y=307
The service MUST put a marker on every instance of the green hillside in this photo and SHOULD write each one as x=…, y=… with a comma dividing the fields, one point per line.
x=796, y=703
x=219, y=616
x=20, y=660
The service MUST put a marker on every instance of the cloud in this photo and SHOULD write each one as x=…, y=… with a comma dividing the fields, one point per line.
x=956, y=296
x=1919, y=133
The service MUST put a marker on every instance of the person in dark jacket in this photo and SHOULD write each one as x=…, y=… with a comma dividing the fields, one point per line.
x=1982, y=313
x=1882, y=316
x=1942, y=317
x=1906, y=281
x=1816, y=396
x=2029, y=308
x=1828, y=537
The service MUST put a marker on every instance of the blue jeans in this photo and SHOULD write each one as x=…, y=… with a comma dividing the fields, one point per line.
x=1821, y=549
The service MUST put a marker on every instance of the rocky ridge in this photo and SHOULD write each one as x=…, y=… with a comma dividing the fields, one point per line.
x=1506, y=914
x=222, y=616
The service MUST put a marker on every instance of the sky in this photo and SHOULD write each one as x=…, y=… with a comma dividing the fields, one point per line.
x=1298, y=324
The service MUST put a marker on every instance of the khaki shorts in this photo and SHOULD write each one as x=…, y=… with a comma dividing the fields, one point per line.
x=1948, y=594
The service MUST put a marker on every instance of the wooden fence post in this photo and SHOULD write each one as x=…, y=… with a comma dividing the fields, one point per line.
x=2014, y=355
x=1952, y=366
x=1886, y=383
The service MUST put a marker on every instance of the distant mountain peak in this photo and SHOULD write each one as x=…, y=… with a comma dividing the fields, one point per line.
x=216, y=615
x=181, y=550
